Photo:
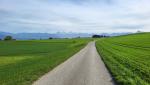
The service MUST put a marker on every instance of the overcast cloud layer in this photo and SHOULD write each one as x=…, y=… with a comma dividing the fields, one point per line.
x=87, y=16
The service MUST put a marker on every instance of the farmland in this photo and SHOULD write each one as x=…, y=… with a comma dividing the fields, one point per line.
x=127, y=57
x=22, y=62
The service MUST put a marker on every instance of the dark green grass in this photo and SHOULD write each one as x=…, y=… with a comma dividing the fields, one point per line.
x=127, y=58
x=22, y=62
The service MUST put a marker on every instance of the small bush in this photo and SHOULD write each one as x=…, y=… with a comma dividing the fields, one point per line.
x=50, y=38
x=8, y=38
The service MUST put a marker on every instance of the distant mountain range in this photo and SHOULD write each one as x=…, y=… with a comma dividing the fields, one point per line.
x=27, y=36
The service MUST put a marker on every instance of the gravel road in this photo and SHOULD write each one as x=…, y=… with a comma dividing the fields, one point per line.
x=84, y=68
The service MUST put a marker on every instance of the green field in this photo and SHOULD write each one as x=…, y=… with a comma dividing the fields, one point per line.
x=22, y=62
x=127, y=57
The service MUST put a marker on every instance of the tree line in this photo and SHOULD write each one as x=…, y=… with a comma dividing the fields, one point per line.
x=7, y=38
x=99, y=36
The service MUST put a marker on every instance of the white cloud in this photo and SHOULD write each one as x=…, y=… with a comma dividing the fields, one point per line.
x=75, y=15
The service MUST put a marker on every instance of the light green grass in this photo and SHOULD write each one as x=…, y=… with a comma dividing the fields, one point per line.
x=22, y=62
x=127, y=58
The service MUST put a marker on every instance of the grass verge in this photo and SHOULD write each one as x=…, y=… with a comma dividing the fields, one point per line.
x=127, y=58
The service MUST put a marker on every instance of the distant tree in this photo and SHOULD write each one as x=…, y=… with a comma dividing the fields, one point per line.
x=0, y=39
x=78, y=37
x=98, y=36
x=50, y=38
x=139, y=31
x=8, y=38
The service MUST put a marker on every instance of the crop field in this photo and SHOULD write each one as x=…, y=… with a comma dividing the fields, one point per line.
x=127, y=57
x=22, y=62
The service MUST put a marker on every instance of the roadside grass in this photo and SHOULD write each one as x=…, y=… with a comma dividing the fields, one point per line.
x=23, y=62
x=127, y=58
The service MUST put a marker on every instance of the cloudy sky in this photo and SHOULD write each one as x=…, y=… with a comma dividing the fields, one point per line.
x=84, y=16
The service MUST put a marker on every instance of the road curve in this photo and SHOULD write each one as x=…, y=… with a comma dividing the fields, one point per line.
x=84, y=68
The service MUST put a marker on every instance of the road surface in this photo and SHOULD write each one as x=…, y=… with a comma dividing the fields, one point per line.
x=84, y=68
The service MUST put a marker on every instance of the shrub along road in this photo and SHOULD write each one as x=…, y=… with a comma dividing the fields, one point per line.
x=84, y=68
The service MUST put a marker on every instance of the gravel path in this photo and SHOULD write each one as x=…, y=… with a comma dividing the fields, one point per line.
x=84, y=68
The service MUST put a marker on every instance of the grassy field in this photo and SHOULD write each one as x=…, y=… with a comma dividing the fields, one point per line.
x=127, y=58
x=22, y=62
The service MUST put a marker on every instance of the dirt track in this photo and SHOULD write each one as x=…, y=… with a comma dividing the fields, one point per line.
x=84, y=68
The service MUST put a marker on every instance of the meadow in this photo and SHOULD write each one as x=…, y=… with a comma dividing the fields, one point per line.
x=23, y=62
x=127, y=58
